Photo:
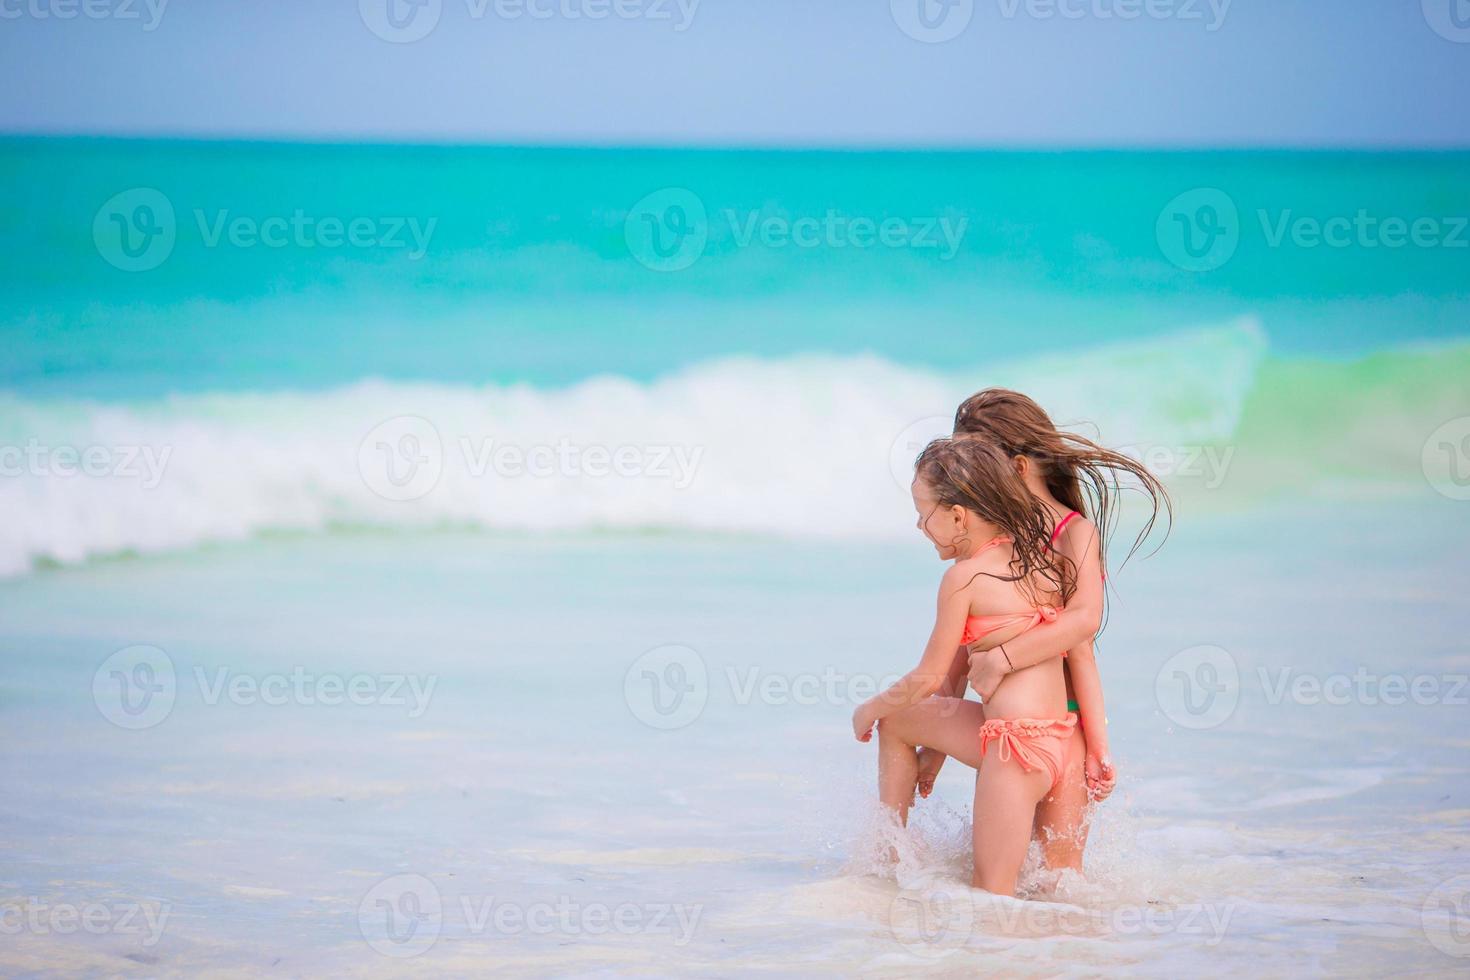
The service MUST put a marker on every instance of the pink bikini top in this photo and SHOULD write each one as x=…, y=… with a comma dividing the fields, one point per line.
x=979, y=627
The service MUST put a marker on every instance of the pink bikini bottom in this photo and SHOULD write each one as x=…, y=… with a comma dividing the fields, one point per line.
x=1035, y=743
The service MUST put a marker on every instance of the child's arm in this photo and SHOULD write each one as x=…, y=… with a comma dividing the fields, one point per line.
x=1077, y=624
x=937, y=664
x=1087, y=685
x=959, y=674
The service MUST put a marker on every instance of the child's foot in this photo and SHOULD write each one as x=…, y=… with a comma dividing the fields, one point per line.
x=929, y=763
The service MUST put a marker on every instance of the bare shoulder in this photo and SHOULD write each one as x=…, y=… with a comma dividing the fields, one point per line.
x=1078, y=537
x=956, y=578
x=984, y=571
x=990, y=560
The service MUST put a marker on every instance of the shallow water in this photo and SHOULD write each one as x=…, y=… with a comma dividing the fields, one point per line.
x=552, y=797
x=266, y=706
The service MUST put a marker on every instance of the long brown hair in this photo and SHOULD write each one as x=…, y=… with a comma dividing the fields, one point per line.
x=977, y=474
x=1081, y=474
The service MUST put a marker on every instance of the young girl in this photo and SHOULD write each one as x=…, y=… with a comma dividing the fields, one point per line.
x=1075, y=479
x=975, y=508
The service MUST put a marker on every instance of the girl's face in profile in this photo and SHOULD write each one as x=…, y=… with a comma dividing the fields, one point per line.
x=943, y=526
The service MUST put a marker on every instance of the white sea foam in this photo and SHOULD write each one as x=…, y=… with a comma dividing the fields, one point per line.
x=803, y=446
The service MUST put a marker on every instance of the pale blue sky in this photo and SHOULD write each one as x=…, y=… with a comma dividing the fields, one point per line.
x=742, y=72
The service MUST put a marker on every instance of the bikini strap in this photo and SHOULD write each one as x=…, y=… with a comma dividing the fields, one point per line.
x=998, y=539
x=1060, y=527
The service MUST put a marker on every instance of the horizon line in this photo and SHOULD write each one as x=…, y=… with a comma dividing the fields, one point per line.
x=427, y=141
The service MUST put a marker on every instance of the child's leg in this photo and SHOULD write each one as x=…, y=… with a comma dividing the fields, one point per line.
x=951, y=725
x=898, y=772
x=1005, y=807
x=1061, y=818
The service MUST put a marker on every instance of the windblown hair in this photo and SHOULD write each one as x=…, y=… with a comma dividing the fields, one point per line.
x=1083, y=475
x=975, y=473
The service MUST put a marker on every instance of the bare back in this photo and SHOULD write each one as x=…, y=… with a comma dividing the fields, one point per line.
x=1004, y=609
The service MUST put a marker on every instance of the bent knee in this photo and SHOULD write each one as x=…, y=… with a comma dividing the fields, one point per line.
x=898, y=725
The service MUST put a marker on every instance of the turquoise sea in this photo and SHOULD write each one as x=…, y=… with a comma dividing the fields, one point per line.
x=527, y=274
x=587, y=470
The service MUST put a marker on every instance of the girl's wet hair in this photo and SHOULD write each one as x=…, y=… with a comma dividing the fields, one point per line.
x=1083, y=475
x=975, y=473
